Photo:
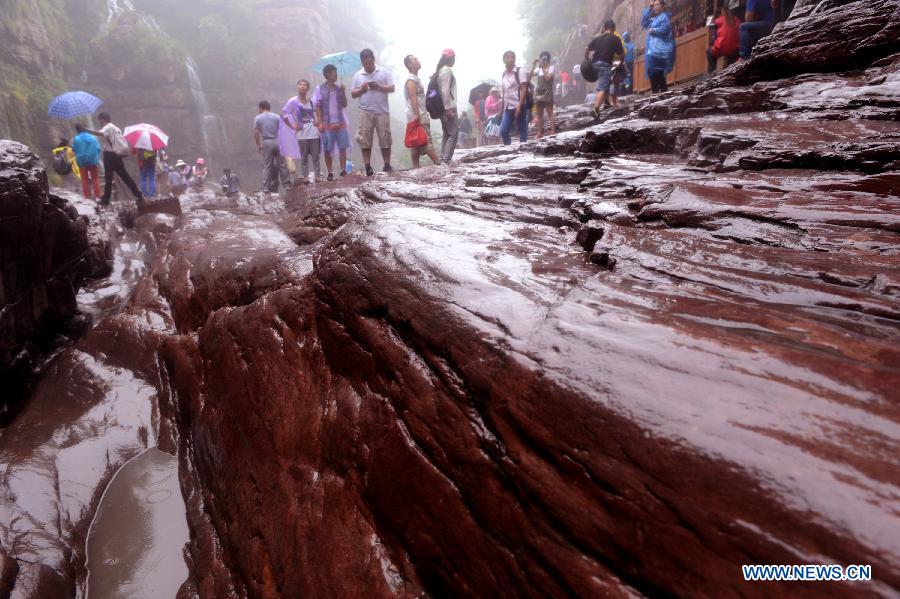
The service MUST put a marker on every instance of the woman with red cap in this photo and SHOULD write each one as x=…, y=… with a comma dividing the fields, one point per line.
x=200, y=172
x=446, y=83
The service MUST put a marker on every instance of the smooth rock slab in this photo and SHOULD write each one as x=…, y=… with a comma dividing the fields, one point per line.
x=135, y=544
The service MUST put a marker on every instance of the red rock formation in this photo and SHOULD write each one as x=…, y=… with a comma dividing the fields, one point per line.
x=456, y=400
x=615, y=362
x=44, y=255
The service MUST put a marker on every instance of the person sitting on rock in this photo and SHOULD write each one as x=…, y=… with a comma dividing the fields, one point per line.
x=759, y=21
x=64, y=162
x=177, y=180
x=231, y=185
x=199, y=174
x=728, y=33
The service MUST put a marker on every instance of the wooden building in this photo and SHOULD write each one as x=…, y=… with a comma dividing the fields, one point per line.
x=689, y=18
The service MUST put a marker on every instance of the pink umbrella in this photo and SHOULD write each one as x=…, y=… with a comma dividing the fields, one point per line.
x=146, y=137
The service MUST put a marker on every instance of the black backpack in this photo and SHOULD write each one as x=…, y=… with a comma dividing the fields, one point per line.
x=61, y=165
x=588, y=73
x=529, y=91
x=434, y=101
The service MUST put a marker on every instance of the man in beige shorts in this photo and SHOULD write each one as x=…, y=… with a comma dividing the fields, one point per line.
x=371, y=86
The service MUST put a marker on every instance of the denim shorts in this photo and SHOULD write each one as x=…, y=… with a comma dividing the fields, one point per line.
x=604, y=75
x=340, y=137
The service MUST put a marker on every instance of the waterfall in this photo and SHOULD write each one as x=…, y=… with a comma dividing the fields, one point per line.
x=113, y=8
x=116, y=7
x=215, y=138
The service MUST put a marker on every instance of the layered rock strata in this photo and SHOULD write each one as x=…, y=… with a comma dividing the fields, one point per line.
x=620, y=361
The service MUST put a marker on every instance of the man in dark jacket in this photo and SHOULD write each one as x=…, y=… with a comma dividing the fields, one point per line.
x=602, y=51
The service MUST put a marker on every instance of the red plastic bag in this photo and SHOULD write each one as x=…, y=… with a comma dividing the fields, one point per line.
x=416, y=136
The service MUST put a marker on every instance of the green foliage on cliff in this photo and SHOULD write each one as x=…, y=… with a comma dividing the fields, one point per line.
x=219, y=34
x=549, y=22
x=133, y=50
x=37, y=47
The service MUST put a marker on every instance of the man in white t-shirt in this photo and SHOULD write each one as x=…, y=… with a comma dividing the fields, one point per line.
x=111, y=142
x=371, y=85
x=514, y=90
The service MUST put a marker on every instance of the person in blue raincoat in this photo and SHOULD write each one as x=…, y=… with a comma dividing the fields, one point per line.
x=660, y=55
x=629, y=62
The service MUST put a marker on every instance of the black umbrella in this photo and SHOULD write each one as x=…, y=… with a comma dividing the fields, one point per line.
x=484, y=88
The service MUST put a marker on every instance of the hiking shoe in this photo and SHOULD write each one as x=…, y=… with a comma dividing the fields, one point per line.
x=104, y=201
x=344, y=173
x=388, y=168
x=369, y=170
x=330, y=177
x=595, y=112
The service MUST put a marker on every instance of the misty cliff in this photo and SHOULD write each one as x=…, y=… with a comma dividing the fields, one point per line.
x=197, y=70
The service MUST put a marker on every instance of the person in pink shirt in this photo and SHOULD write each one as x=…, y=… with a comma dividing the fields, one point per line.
x=493, y=105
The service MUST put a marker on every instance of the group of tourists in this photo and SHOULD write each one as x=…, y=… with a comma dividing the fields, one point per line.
x=87, y=151
x=177, y=178
x=315, y=121
x=90, y=150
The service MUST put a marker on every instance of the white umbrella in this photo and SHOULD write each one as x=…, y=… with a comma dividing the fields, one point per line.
x=146, y=137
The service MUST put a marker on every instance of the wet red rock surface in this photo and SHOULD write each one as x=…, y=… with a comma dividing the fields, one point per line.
x=621, y=361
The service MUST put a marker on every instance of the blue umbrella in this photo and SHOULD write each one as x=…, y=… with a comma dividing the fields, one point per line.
x=347, y=63
x=72, y=104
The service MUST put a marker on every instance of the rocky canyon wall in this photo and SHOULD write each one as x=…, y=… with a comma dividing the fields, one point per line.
x=617, y=362
x=620, y=361
x=45, y=255
x=148, y=63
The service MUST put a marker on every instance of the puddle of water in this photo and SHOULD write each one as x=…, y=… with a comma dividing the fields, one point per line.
x=136, y=541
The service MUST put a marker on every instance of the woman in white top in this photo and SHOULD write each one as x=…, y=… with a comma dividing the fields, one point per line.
x=307, y=127
x=415, y=109
x=514, y=89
